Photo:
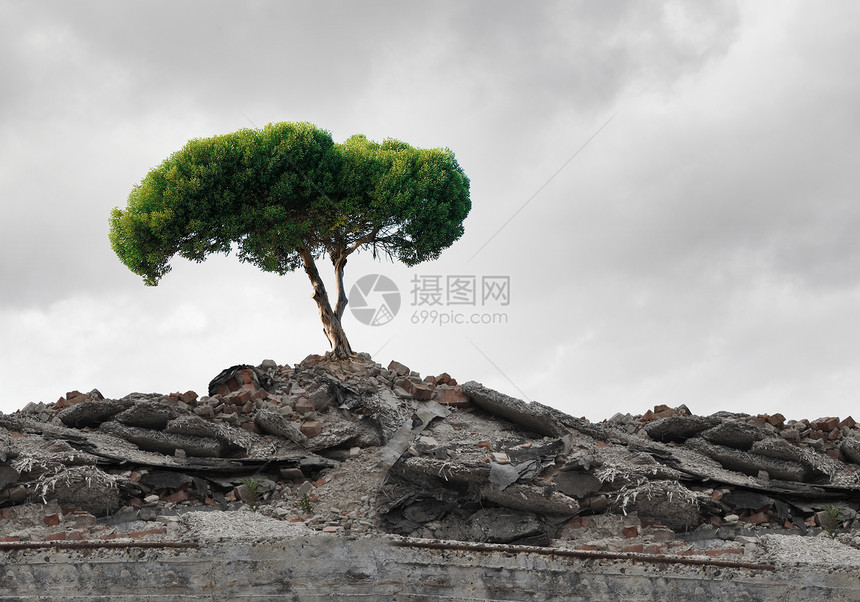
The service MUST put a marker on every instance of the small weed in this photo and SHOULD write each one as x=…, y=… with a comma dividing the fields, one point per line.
x=305, y=505
x=252, y=492
x=831, y=520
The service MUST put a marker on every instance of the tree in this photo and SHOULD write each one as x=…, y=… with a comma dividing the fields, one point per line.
x=287, y=195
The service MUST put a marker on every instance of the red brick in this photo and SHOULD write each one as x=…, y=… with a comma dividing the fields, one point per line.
x=311, y=428
x=636, y=549
x=59, y=536
x=630, y=532
x=319, y=482
x=304, y=405
x=757, y=518
x=178, y=496
x=52, y=520
x=78, y=535
x=726, y=552
x=776, y=419
x=849, y=422
x=10, y=538
x=443, y=379
x=836, y=454
x=686, y=552
x=580, y=522
x=260, y=394
x=825, y=424
x=248, y=407
x=247, y=376
x=398, y=368
x=451, y=397
x=486, y=445
x=587, y=547
x=188, y=397
x=423, y=392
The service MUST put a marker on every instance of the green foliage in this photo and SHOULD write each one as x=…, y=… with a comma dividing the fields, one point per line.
x=253, y=493
x=271, y=192
x=832, y=520
x=305, y=505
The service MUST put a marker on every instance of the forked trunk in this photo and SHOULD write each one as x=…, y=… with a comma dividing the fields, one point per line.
x=331, y=321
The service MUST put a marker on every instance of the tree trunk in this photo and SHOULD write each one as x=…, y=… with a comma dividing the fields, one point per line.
x=342, y=299
x=331, y=321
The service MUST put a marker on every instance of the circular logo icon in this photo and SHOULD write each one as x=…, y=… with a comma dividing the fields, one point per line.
x=374, y=299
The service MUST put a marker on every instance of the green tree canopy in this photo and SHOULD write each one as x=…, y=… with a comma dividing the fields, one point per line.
x=288, y=194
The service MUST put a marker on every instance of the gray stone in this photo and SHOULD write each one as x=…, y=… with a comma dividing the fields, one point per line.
x=850, y=447
x=503, y=525
x=735, y=433
x=532, y=416
x=8, y=475
x=576, y=484
x=268, y=365
x=679, y=428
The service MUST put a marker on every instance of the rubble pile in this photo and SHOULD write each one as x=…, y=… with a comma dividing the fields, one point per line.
x=353, y=447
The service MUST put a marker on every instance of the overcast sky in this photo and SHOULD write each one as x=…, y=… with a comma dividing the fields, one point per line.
x=670, y=188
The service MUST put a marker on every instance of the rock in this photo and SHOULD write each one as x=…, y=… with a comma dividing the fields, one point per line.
x=533, y=416
x=679, y=428
x=268, y=365
x=502, y=525
x=735, y=434
x=276, y=424
x=576, y=484
x=850, y=447
x=8, y=476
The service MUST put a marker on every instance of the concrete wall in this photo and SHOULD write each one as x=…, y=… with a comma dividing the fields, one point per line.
x=321, y=567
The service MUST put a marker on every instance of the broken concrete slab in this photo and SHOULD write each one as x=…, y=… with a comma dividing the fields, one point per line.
x=165, y=443
x=749, y=463
x=277, y=424
x=736, y=434
x=679, y=428
x=92, y=413
x=149, y=414
x=532, y=416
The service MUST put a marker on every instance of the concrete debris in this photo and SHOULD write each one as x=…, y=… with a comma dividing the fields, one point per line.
x=334, y=447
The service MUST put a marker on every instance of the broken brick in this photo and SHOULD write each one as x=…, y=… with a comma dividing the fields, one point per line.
x=311, y=428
